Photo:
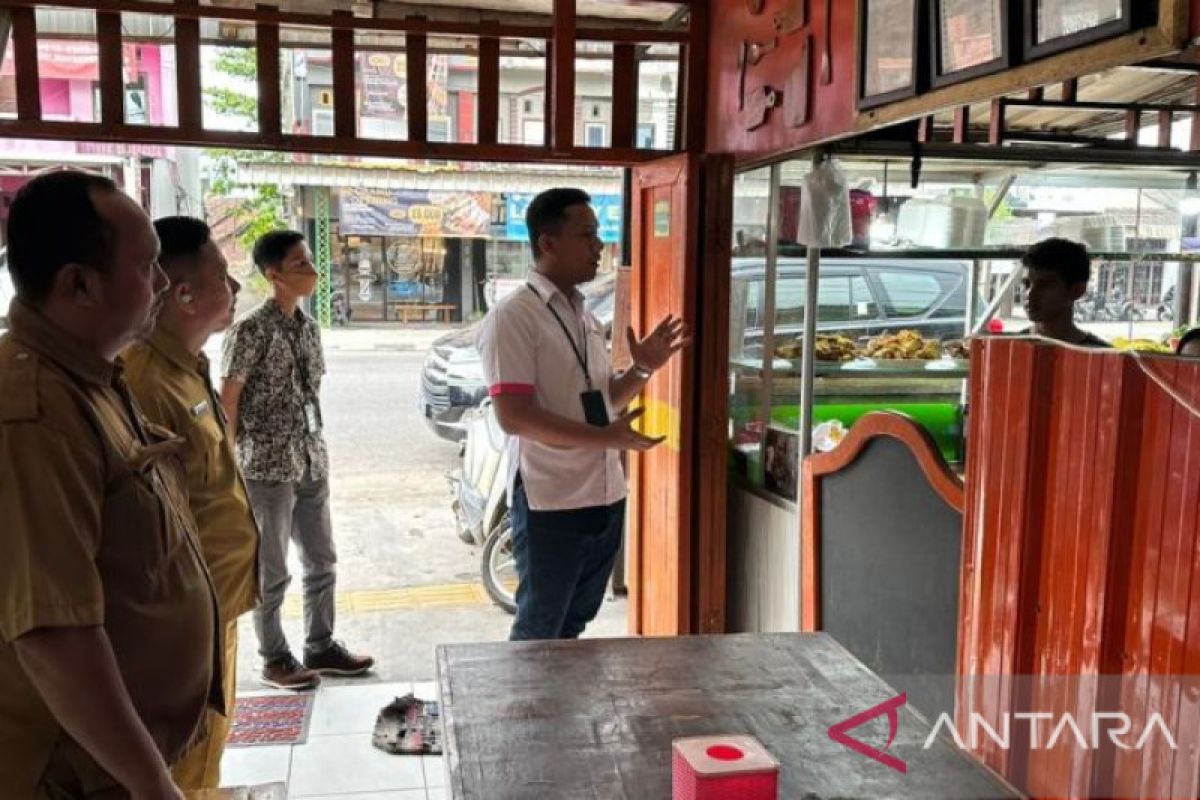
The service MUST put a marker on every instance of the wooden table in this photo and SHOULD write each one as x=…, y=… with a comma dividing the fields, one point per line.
x=595, y=719
x=407, y=310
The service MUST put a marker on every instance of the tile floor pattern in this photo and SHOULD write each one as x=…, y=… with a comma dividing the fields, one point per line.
x=337, y=762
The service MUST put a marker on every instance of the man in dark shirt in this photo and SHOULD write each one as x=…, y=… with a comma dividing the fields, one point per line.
x=1057, y=272
x=272, y=367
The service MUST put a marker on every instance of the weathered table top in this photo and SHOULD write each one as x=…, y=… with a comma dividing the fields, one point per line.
x=595, y=719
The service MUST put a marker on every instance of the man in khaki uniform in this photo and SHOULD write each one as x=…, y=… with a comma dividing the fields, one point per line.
x=169, y=375
x=108, y=633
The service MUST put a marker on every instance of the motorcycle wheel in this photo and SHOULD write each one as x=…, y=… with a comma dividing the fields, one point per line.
x=1165, y=315
x=498, y=566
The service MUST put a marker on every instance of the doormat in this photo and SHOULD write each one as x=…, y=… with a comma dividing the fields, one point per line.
x=271, y=719
x=408, y=726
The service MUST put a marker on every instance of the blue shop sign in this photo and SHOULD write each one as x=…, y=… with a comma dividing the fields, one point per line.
x=606, y=206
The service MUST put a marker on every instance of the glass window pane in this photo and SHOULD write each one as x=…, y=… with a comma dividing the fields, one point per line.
x=1057, y=18
x=658, y=94
x=970, y=32
x=453, y=80
x=523, y=92
x=908, y=294
x=306, y=81
x=747, y=423
x=381, y=87
x=889, y=44
x=148, y=56
x=228, y=75
x=68, y=65
x=593, y=93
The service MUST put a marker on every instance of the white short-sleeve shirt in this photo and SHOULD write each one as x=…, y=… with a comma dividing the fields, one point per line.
x=526, y=351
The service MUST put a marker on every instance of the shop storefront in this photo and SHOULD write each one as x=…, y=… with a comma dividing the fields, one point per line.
x=409, y=243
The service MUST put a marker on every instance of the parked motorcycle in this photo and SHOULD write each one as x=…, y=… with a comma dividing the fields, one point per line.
x=1166, y=307
x=480, y=492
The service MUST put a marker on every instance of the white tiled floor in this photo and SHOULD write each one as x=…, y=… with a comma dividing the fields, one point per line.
x=337, y=761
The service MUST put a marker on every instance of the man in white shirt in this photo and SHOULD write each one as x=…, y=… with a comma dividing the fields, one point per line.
x=555, y=394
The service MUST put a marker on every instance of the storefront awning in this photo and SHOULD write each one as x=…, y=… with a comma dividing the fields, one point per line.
x=475, y=178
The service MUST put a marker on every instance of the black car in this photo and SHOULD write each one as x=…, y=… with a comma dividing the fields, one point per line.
x=855, y=297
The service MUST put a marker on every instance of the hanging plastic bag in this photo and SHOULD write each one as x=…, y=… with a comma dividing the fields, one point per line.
x=825, y=219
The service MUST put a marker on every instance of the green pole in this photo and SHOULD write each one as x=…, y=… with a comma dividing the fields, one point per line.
x=324, y=258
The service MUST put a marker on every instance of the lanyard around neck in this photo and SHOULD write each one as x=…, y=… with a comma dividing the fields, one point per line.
x=580, y=356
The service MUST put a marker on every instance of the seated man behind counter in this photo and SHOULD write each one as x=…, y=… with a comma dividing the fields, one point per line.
x=1057, y=272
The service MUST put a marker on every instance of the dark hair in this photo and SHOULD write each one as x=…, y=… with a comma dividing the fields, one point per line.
x=180, y=240
x=271, y=248
x=53, y=222
x=1191, y=336
x=1069, y=260
x=548, y=210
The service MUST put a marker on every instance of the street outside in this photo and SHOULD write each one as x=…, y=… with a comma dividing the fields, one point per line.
x=406, y=582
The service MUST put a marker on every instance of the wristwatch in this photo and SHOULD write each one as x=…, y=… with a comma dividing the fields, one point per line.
x=640, y=371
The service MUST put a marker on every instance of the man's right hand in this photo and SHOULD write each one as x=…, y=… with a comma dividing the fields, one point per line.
x=622, y=436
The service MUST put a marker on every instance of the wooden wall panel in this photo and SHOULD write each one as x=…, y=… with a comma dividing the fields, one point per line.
x=187, y=70
x=270, y=116
x=833, y=106
x=489, y=90
x=112, y=79
x=1081, y=580
x=25, y=59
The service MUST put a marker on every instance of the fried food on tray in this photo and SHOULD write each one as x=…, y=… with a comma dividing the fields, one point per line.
x=828, y=348
x=903, y=345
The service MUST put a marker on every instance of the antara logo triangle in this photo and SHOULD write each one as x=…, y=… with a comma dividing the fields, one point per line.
x=890, y=707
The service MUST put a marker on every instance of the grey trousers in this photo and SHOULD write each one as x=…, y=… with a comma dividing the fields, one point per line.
x=294, y=511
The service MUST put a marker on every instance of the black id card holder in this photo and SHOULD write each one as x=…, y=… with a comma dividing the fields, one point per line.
x=594, y=410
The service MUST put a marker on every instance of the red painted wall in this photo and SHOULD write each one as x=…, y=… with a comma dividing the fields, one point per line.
x=1081, y=563
x=833, y=107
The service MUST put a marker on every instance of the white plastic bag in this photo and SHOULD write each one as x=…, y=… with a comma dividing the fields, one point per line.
x=825, y=207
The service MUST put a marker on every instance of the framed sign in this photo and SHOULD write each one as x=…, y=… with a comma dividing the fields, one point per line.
x=970, y=39
x=1052, y=26
x=889, y=59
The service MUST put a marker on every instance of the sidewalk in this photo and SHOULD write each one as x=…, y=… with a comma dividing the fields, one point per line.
x=385, y=336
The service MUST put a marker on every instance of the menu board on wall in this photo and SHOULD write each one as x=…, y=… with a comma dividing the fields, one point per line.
x=889, y=49
x=1059, y=18
x=971, y=32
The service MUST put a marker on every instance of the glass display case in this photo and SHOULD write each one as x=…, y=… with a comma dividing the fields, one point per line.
x=895, y=309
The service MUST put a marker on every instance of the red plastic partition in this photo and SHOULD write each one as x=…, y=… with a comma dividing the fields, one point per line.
x=1081, y=569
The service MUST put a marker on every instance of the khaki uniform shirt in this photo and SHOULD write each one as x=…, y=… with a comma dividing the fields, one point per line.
x=96, y=532
x=174, y=389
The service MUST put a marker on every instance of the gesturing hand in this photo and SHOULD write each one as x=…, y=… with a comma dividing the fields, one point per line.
x=668, y=337
x=622, y=436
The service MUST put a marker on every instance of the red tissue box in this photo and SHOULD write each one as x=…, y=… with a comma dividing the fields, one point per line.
x=723, y=768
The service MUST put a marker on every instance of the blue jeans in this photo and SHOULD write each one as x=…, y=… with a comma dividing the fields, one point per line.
x=564, y=560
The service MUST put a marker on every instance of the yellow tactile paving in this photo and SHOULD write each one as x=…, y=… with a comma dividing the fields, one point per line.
x=363, y=601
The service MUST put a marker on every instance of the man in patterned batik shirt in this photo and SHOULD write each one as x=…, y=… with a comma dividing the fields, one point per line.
x=272, y=367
